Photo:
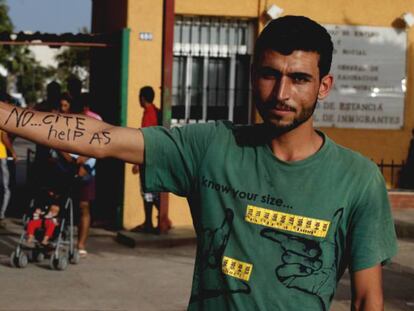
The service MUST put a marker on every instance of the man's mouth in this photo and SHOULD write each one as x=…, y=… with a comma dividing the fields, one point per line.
x=284, y=107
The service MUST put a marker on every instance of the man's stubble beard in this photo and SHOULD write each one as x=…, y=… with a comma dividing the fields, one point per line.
x=278, y=128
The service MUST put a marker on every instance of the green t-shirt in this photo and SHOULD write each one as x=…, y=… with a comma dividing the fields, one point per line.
x=272, y=235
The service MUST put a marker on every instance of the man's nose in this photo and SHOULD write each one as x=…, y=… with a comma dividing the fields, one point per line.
x=282, y=89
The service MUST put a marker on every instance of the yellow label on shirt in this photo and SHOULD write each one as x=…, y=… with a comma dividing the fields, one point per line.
x=287, y=222
x=237, y=269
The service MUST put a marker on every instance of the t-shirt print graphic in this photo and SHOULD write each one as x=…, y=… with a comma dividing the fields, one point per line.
x=304, y=267
x=212, y=248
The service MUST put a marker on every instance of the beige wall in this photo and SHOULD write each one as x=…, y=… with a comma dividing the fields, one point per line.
x=146, y=57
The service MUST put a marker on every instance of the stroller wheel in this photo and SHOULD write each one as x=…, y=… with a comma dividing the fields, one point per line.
x=39, y=257
x=58, y=262
x=14, y=261
x=62, y=263
x=74, y=257
x=53, y=262
x=22, y=260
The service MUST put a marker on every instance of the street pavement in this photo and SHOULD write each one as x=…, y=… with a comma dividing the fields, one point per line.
x=111, y=277
x=152, y=276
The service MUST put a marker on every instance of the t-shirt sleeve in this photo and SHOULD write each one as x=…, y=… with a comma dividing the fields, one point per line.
x=172, y=157
x=373, y=239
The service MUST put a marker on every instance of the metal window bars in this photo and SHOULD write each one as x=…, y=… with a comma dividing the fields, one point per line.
x=211, y=69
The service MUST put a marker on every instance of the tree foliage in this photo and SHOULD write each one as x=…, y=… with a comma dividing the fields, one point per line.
x=5, y=21
x=6, y=25
x=74, y=61
x=25, y=74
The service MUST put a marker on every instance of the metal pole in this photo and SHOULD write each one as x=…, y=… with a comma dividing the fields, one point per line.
x=166, y=89
x=167, y=61
x=124, y=64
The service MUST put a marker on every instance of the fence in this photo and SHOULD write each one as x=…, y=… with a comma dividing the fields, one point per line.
x=391, y=172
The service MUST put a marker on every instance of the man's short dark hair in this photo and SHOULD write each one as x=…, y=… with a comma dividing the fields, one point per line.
x=74, y=86
x=53, y=90
x=296, y=33
x=84, y=100
x=147, y=93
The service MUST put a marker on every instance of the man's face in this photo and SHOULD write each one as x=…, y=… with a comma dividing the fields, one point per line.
x=141, y=101
x=287, y=87
x=64, y=106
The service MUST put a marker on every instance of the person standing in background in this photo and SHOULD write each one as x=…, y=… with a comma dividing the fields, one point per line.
x=5, y=147
x=150, y=118
x=85, y=100
x=85, y=176
x=74, y=88
x=40, y=170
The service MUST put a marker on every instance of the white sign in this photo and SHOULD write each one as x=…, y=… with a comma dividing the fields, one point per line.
x=369, y=71
x=145, y=36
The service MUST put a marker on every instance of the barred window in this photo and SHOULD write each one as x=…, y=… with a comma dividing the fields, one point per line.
x=211, y=70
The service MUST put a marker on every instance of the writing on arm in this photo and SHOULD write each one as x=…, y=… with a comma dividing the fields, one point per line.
x=74, y=133
x=71, y=127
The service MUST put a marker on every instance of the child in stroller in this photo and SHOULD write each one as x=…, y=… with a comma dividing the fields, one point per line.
x=48, y=233
x=47, y=219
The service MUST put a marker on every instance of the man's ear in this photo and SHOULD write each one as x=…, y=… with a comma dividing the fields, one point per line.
x=325, y=86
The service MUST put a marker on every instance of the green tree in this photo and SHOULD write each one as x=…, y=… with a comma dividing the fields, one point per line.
x=6, y=25
x=25, y=74
x=30, y=75
x=74, y=61
x=5, y=21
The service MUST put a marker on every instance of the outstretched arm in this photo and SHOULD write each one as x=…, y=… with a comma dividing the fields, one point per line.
x=367, y=289
x=74, y=133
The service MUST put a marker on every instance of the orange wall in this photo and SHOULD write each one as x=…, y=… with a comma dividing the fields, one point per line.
x=234, y=8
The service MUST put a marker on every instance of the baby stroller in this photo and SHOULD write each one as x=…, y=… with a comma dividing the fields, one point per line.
x=60, y=250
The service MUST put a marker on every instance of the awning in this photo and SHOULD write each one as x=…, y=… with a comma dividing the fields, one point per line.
x=51, y=39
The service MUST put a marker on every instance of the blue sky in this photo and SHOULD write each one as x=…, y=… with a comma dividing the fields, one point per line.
x=54, y=16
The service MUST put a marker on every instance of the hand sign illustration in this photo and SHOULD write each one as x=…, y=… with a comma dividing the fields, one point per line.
x=303, y=265
x=212, y=250
x=216, y=241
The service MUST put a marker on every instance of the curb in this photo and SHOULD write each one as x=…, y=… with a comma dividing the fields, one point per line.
x=404, y=230
x=175, y=237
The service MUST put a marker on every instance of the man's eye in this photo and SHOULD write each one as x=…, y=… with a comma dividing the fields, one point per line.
x=300, y=79
x=268, y=74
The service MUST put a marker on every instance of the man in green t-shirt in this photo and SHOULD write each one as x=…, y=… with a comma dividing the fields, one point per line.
x=279, y=209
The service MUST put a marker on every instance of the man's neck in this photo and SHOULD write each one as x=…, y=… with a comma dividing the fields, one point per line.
x=297, y=144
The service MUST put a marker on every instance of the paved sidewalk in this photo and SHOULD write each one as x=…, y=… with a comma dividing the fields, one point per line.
x=112, y=277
